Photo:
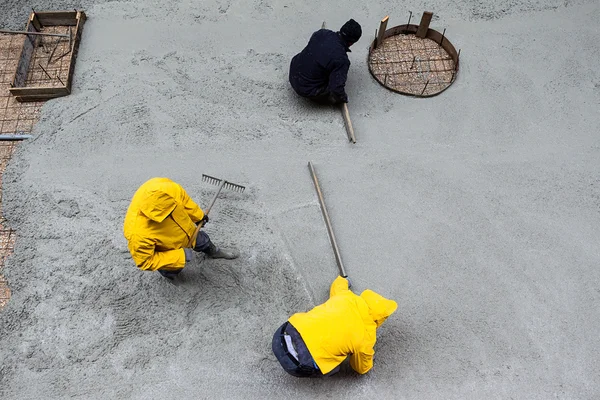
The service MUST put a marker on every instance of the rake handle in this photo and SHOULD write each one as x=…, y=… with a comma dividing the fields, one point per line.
x=212, y=203
x=336, y=250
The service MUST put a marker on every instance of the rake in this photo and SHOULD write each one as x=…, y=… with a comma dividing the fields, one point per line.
x=222, y=184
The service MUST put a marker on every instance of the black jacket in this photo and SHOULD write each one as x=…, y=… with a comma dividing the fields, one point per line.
x=321, y=67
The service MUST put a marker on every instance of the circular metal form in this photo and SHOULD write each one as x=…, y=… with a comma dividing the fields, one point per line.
x=408, y=64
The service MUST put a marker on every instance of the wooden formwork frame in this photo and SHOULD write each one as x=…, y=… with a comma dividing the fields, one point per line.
x=38, y=20
x=411, y=29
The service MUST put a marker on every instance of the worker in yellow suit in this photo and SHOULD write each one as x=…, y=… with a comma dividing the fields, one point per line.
x=316, y=342
x=158, y=226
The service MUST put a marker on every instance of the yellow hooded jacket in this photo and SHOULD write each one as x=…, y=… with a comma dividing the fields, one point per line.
x=159, y=223
x=344, y=325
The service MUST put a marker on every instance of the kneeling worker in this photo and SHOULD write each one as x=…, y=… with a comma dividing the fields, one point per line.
x=320, y=71
x=315, y=343
x=159, y=223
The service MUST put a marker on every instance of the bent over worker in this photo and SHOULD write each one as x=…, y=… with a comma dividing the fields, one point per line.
x=320, y=71
x=315, y=343
x=158, y=226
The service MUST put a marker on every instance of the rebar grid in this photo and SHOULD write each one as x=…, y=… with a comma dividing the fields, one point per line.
x=49, y=66
x=15, y=117
x=7, y=243
x=409, y=64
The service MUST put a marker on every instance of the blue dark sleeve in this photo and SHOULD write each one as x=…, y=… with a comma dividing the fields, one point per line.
x=337, y=80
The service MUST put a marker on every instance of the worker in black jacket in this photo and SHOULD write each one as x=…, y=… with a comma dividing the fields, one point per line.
x=319, y=72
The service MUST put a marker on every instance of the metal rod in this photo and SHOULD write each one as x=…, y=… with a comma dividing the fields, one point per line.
x=457, y=57
x=33, y=33
x=46, y=72
x=375, y=41
x=426, y=83
x=443, y=34
x=409, y=18
x=53, y=50
x=336, y=250
x=348, y=123
x=15, y=137
x=60, y=80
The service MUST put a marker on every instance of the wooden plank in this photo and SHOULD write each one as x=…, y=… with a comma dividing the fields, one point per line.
x=81, y=17
x=382, y=28
x=38, y=90
x=24, y=99
x=424, y=25
x=54, y=18
x=33, y=19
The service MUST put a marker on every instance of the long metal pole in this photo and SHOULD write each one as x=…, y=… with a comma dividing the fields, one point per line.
x=14, y=137
x=336, y=250
x=212, y=203
x=34, y=33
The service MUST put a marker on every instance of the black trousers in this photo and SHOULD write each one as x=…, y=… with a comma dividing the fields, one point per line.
x=202, y=244
x=304, y=366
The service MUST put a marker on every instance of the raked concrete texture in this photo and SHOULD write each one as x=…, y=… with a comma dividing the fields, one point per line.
x=478, y=210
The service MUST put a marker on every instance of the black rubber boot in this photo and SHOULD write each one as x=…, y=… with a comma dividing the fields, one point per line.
x=215, y=252
x=170, y=275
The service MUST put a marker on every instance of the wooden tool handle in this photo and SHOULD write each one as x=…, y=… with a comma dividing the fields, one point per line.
x=210, y=206
x=348, y=123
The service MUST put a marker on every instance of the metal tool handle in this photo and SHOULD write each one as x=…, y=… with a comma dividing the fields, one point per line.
x=336, y=250
x=201, y=224
x=34, y=33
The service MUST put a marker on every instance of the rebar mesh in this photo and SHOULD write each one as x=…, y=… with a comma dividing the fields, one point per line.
x=49, y=66
x=408, y=64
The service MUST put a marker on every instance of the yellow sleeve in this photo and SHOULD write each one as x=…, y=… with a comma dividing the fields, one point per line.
x=338, y=286
x=193, y=210
x=148, y=259
x=362, y=361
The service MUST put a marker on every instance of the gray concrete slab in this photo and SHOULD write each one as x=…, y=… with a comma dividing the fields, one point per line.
x=476, y=210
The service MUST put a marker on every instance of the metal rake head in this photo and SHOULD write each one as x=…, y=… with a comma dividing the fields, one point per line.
x=227, y=185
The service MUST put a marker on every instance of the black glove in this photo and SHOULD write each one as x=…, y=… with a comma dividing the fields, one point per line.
x=203, y=221
x=349, y=282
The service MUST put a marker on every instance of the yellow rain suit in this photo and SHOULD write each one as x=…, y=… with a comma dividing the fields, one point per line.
x=159, y=223
x=344, y=325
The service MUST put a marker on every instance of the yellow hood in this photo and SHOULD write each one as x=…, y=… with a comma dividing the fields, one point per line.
x=157, y=205
x=379, y=307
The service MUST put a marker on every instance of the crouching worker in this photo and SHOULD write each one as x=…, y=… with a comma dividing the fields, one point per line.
x=315, y=343
x=320, y=71
x=158, y=226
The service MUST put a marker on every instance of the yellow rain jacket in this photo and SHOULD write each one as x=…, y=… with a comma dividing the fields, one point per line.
x=344, y=325
x=159, y=223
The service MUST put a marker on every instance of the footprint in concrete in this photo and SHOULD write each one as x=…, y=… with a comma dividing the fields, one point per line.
x=68, y=208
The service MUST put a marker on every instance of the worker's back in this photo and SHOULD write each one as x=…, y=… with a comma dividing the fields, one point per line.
x=147, y=228
x=310, y=70
x=346, y=324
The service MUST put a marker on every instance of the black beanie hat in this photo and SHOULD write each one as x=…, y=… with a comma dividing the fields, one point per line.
x=351, y=31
